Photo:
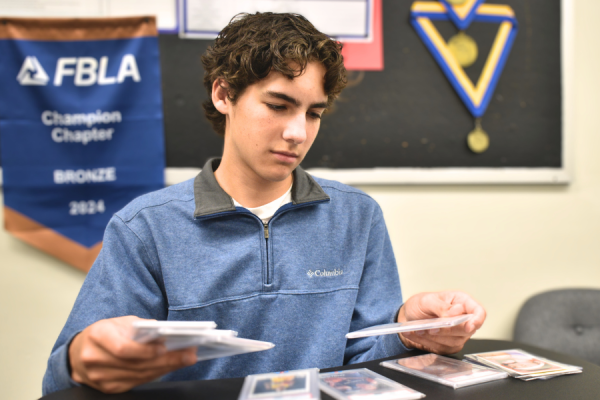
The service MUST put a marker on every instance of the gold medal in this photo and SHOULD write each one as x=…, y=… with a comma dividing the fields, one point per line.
x=456, y=2
x=464, y=49
x=477, y=139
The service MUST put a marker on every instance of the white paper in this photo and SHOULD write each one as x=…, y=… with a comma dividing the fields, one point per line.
x=346, y=20
x=164, y=10
x=51, y=8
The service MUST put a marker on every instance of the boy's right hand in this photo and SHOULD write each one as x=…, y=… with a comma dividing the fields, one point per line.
x=105, y=357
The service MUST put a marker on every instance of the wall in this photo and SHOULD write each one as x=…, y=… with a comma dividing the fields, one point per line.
x=500, y=243
x=36, y=295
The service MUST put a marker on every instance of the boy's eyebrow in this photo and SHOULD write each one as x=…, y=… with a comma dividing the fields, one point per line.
x=293, y=101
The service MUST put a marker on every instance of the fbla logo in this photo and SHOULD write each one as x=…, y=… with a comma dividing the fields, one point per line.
x=32, y=73
x=86, y=71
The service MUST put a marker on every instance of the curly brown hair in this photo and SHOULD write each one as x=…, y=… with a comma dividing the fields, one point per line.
x=253, y=45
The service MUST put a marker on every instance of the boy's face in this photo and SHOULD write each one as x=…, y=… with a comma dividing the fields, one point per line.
x=273, y=123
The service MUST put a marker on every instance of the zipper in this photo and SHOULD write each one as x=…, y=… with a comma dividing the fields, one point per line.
x=265, y=226
x=266, y=230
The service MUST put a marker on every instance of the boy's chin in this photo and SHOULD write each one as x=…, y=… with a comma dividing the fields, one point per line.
x=279, y=173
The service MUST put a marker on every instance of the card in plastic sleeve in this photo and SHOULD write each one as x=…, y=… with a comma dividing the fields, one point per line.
x=419, y=325
x=211, y=343
x=145, y=331
x=444, y=370
x=523, y=365
x=230, y=346
x=300, y=384
x=363, y=384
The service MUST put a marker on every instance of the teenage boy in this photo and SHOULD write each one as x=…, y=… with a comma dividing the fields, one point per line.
x=253, y=242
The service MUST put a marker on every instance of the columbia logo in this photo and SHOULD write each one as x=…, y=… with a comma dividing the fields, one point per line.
x=324, y=273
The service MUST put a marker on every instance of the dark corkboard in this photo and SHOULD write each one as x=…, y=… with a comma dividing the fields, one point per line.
x=407, y=115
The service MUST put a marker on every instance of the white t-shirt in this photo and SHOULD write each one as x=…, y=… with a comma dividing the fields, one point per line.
x=266, y=212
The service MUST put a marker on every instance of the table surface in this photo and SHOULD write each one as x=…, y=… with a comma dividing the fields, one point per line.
x=573, y=387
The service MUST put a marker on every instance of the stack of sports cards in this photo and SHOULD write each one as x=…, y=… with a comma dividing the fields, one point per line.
x=410, y=326
x=363, y=384
x=302, y=384
x=444, y=370
x=211, y=342
x=523, y=365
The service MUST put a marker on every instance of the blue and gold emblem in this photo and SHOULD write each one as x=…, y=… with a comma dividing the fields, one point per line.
x=461, y=51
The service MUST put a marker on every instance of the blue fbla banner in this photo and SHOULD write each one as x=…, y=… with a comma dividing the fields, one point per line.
x=81, y=127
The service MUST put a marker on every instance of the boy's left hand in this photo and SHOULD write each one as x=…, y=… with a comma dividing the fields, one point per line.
x=439, y=305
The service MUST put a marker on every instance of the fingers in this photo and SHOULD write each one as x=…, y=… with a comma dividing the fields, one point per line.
x=106, y=373
x=114, y=336
x=98, y=357
x=458, y=330
x=471, y=306
x=439, y=305
x=439, y=344
x=444, y=304
x=477, y=321
x=432, y=305
x=142, y=372
x=105, y=357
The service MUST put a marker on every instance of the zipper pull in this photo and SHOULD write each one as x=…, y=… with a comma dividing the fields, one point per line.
x=266, y=231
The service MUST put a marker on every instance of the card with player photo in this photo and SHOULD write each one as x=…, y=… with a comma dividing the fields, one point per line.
x=364, y=384
x=523, y=365
x=287, y=385
x=445, y=370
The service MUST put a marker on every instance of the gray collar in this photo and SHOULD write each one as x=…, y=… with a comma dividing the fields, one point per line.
x=211, y=199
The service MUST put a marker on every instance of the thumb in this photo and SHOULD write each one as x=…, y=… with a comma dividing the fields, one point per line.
x=438, y=307
x=454, y=310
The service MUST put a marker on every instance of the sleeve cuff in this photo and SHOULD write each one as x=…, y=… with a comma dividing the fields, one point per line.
x=393, y=345
x=60, y=367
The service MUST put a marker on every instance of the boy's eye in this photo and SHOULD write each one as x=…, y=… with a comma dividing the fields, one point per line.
x=314, y=115
x=276, y=107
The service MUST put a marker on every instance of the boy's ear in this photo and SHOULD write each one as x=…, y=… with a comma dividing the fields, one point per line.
x=220, y=99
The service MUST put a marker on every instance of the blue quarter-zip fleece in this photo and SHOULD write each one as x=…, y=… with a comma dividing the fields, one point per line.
x=185, y=253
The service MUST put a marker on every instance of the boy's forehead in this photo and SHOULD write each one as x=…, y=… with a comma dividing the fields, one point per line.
x=311, y=81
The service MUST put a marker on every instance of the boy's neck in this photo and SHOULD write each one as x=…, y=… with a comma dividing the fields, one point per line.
x=247, y=188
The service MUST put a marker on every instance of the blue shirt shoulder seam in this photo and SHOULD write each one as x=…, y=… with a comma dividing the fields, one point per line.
x=126, y=220
x=157, y=269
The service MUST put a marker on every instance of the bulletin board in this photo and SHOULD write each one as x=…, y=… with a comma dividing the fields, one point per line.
x=405, y=124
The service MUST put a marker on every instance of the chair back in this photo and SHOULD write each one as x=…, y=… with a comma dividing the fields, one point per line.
x=566, y=320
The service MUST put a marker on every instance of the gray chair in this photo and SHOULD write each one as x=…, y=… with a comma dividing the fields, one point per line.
x=566, y=320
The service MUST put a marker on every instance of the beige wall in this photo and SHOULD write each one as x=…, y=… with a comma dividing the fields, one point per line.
x=499, y=243
x=36, y=295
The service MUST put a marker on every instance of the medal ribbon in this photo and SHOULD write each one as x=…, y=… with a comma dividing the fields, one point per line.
x=475, y=97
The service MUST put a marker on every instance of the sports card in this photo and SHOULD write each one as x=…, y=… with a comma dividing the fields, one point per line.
x=144, y=331
x=353, y=382
x=363, y=384
x=444, y=370
x=284, y=383
x=296, y=385
x=443, y=367
x=410, y=326
x=520, y=363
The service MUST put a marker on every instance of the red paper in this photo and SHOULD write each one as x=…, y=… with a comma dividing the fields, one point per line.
x=367, y=56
